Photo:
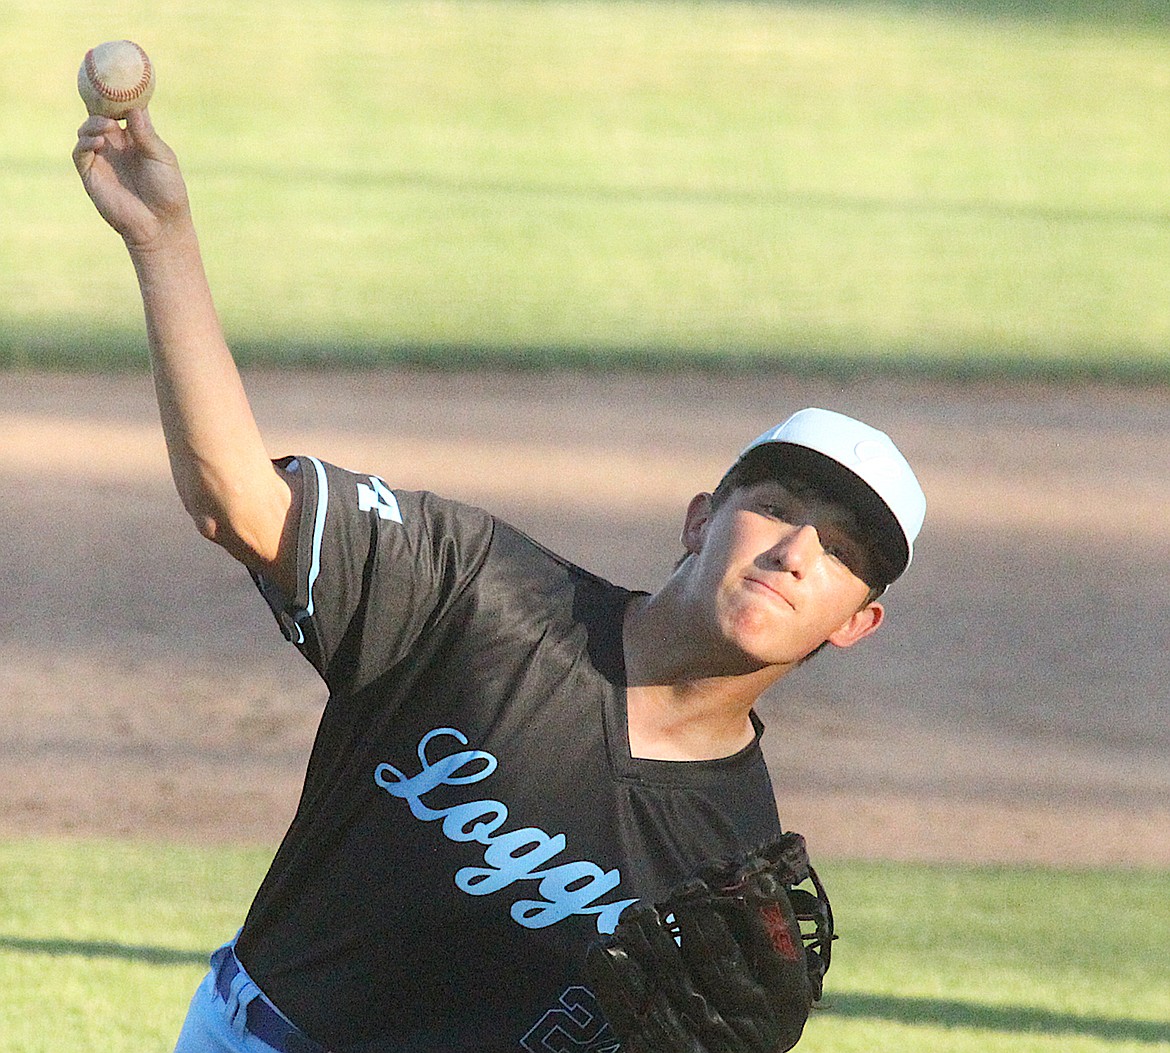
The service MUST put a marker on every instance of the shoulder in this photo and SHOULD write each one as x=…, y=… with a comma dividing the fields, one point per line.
x=514, y=553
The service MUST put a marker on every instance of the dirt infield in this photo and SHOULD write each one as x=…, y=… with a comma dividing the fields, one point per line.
x=1014, y=709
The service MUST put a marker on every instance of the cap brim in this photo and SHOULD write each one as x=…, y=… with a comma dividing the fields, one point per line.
x=880, y=527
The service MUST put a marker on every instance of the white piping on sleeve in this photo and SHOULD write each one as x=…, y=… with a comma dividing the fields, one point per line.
x=318, y=534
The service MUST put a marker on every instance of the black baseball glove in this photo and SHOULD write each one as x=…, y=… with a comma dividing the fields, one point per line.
x=722, y=964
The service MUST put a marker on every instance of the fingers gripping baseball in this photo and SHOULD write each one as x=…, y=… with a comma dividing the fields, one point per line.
x=131, y=176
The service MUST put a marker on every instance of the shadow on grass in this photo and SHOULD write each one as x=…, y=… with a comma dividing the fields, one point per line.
x=942, y=208
x=936, y=1012
x=1111, y=13
x=58, y=948
x=58, y=347
x=941, y=1012
x=392, y=180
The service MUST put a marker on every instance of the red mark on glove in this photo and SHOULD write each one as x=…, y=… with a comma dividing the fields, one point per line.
x=779, y=933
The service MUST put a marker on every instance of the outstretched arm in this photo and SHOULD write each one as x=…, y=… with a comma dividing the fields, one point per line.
x=218, y=460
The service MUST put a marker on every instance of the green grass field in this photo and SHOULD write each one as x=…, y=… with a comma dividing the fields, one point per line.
x=958, y=187
x=930, y=960
x=913, y=185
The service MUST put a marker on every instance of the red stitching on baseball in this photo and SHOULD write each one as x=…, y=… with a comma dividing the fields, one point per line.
x=118, y=94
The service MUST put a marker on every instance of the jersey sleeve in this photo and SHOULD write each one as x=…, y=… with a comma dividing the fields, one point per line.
x=376, y=569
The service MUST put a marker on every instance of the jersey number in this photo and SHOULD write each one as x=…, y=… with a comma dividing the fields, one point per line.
x=576, y=1025
x=379, y=497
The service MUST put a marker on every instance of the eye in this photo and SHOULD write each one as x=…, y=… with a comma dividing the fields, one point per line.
x=777, y=510
x=844, y=552
x=840, y=553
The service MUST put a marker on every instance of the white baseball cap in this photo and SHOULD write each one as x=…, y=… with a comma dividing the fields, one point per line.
x=877, y=480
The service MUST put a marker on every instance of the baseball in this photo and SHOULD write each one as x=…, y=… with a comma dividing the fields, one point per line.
x=115, y=78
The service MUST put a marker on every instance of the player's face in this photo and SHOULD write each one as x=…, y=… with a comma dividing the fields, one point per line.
x=775, y=572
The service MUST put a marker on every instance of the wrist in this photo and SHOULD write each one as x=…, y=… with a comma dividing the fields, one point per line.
x=169, y=237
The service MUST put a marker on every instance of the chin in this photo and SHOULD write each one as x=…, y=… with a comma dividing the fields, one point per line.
x=759, y=641
x=761, y=654
x=769, y=651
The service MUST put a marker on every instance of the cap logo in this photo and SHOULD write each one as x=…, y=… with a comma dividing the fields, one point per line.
x=876, y=460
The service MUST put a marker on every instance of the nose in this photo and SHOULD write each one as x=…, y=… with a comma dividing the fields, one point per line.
x=797, y=550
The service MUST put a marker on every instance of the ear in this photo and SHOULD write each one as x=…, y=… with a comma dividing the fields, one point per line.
x=859, y=625
x=695, y=524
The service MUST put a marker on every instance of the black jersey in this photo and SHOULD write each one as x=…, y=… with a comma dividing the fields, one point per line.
x=471, y=818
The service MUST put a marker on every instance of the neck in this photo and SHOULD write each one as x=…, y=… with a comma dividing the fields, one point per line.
x=686, y=700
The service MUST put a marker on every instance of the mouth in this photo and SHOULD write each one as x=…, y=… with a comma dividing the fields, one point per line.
x=760, y=585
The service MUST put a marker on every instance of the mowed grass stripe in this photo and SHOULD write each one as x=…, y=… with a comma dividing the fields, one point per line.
x=114, y=937
x=621, y=181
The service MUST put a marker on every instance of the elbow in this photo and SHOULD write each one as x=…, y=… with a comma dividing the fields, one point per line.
x=247, y=531
x=235, y=543
x=215, y=524
x=207, y=524
x=212, y=524
x=243, y=510
x=202, y=501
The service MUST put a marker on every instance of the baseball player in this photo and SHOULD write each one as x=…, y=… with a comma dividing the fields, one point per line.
x=514, y=750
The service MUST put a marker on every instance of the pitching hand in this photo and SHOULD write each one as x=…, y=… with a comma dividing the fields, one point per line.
x=132, y=177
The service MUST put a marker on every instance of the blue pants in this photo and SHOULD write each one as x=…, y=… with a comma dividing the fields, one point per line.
x=217, y=1021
